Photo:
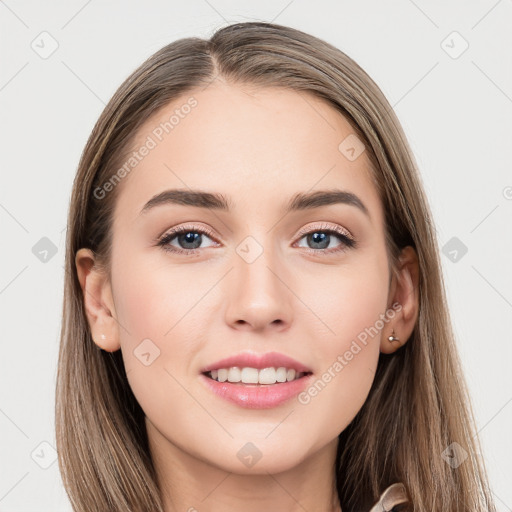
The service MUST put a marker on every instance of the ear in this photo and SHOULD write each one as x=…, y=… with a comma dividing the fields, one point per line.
x=98, y=301
x=404, y=291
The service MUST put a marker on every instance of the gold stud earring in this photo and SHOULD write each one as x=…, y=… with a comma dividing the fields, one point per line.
x=392, y=337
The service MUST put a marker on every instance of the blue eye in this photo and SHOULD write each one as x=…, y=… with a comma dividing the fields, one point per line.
x=190, y=239
x=182, y=236
x=322, y=239
x=322, y=236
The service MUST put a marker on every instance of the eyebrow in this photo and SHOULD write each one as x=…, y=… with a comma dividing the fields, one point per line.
x=216, y=201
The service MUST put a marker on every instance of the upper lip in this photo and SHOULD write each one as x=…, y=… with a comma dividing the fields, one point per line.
x=259, y=361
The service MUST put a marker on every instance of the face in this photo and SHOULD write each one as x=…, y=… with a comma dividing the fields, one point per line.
x=306, y=281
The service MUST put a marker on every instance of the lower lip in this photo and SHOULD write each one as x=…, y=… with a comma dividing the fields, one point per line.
x=257, y=396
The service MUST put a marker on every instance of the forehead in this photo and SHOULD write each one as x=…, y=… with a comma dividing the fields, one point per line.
x=250, y=144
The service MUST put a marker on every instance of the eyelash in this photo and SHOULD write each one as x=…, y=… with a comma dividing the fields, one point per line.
x=347, y=241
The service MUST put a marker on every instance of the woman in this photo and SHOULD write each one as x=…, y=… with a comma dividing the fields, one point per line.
x=295, y=352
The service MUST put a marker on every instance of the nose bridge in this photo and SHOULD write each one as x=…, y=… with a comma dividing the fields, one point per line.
x=259, y=295
x=258, y=264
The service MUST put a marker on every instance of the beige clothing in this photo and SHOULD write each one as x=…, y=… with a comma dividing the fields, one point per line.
x=394, y=496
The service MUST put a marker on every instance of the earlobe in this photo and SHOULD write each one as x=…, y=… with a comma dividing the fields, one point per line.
x=98, y=302
x=404, y=290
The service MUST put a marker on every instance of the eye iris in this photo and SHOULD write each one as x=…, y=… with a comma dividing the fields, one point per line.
x=320, y=238
x=190, y=237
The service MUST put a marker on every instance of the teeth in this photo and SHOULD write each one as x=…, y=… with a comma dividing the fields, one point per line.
x=254, y=376
x=234, y=374
x=248, y=376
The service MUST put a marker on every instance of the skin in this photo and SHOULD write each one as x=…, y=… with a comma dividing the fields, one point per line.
x=258, y=147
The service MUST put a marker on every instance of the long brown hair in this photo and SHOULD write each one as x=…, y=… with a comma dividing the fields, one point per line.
x=418, y=404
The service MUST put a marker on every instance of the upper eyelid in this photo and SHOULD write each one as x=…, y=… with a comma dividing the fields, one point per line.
x=186, y=228
x=323, y=226
x=326, y=227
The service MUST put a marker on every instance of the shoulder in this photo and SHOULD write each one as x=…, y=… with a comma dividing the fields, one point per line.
x=393, y=499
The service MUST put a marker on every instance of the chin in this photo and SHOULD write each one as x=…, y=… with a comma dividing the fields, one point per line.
x=262, y=456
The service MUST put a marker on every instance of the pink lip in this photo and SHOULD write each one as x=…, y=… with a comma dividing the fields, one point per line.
x=259, y=361
x=257, y=396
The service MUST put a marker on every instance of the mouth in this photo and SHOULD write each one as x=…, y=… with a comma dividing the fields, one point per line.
x=256, y=388
x=256, y=381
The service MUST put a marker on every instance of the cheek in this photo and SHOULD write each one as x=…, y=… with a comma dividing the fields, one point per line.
x=351, y=305
x=158, y=308
x=155, y=309
x=151, y=300
x=347, y=300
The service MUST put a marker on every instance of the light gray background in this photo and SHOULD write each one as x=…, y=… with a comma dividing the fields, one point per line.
x=455, y=109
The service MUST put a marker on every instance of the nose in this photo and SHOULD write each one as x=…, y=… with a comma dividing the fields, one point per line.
x=259, y=297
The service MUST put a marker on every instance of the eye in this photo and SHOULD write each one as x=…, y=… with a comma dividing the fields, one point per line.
x=321, y=238
x=190, y=237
